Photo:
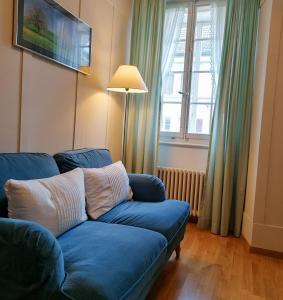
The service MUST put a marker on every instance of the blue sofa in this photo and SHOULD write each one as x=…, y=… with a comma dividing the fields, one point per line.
x=116, y=257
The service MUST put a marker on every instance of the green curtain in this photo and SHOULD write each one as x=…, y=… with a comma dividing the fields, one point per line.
x=142, y=128
x=224, y=194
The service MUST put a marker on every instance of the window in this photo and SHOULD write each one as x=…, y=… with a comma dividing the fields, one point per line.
x=193, y=35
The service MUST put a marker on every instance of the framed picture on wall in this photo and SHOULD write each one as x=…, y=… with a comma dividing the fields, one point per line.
x=47, y=29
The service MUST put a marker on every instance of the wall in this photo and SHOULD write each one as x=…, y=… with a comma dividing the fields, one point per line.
x=263, y=222
x=46, y=107
x=261, y=65
x=183, y=156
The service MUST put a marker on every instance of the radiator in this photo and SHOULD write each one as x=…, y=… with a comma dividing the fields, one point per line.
x=183, y=185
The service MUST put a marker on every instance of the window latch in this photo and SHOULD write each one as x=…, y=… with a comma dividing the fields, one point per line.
x=184, y=93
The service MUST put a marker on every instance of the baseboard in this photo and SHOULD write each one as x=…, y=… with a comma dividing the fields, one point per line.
x=261, y=251
x=268, y=237
x=264, y=239
x=266, y=252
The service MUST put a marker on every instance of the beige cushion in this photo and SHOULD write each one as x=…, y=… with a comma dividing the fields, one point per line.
x=105, y=188
x=57, y=203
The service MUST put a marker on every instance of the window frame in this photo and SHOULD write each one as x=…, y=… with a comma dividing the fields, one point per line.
x=187, y=74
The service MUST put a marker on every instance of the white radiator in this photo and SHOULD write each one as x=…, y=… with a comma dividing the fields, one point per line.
x=183, y=185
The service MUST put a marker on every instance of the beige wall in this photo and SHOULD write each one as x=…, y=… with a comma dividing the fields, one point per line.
x=261, y=65
x=263, y=221
x=193, y=157
x=46, y=107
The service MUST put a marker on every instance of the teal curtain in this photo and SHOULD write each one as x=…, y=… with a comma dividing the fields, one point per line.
x=142, y=128
x=224, y=194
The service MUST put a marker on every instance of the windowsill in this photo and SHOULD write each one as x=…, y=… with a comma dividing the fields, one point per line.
x=199, y=144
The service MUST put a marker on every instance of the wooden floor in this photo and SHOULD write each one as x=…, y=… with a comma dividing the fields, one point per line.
x=213, y=267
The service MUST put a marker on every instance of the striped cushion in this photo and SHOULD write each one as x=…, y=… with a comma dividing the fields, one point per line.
x=105, y=188
x=57, y=203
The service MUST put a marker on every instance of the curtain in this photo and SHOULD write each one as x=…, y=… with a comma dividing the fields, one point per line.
x=142, y=128
x=218, y=13
x=223, y=202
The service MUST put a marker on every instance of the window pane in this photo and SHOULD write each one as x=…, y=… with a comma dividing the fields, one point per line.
x=200, y=118
x=201, y=87
x=173, y=64
x=203, y=13
x=203, y=22
x=171, y=87
x=202, y=58
x=171, y=117
x=202, y=77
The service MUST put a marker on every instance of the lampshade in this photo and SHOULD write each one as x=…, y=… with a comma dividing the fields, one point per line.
x=127, y=79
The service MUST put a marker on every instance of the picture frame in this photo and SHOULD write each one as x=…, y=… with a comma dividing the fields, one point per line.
x=45, y=28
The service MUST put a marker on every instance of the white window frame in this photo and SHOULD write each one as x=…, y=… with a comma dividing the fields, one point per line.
x=183, y=135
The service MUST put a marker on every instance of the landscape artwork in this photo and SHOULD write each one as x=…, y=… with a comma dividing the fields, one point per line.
x=46, y=28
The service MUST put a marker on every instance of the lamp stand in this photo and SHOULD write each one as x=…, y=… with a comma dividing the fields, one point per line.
x=125, y=128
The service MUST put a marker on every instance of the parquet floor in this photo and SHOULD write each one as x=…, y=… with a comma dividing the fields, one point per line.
x=214, y=268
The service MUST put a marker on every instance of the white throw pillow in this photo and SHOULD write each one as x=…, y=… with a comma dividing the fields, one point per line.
x=105, y=188
x=57, y=203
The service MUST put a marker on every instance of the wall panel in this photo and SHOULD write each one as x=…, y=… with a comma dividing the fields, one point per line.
x=263, y=225
x=258, y=102
x=274, y=207
x=92, y=98
x=47, y=107
x=48, y=101
x=10, y=81
x=119, y=55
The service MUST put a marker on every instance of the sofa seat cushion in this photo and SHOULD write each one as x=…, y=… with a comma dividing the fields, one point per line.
x=166, y=217
x=107, y=261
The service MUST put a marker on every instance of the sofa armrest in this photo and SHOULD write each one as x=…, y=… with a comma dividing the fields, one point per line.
x=147, y=188
x=31, y=261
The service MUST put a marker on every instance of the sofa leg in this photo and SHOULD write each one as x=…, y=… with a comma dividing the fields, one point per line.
x=178, y=251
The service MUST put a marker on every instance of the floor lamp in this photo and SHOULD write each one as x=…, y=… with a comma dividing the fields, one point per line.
x=127, y=79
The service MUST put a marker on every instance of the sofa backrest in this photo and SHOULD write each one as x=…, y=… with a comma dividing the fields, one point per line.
x=23, y=166
x=83, y=158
